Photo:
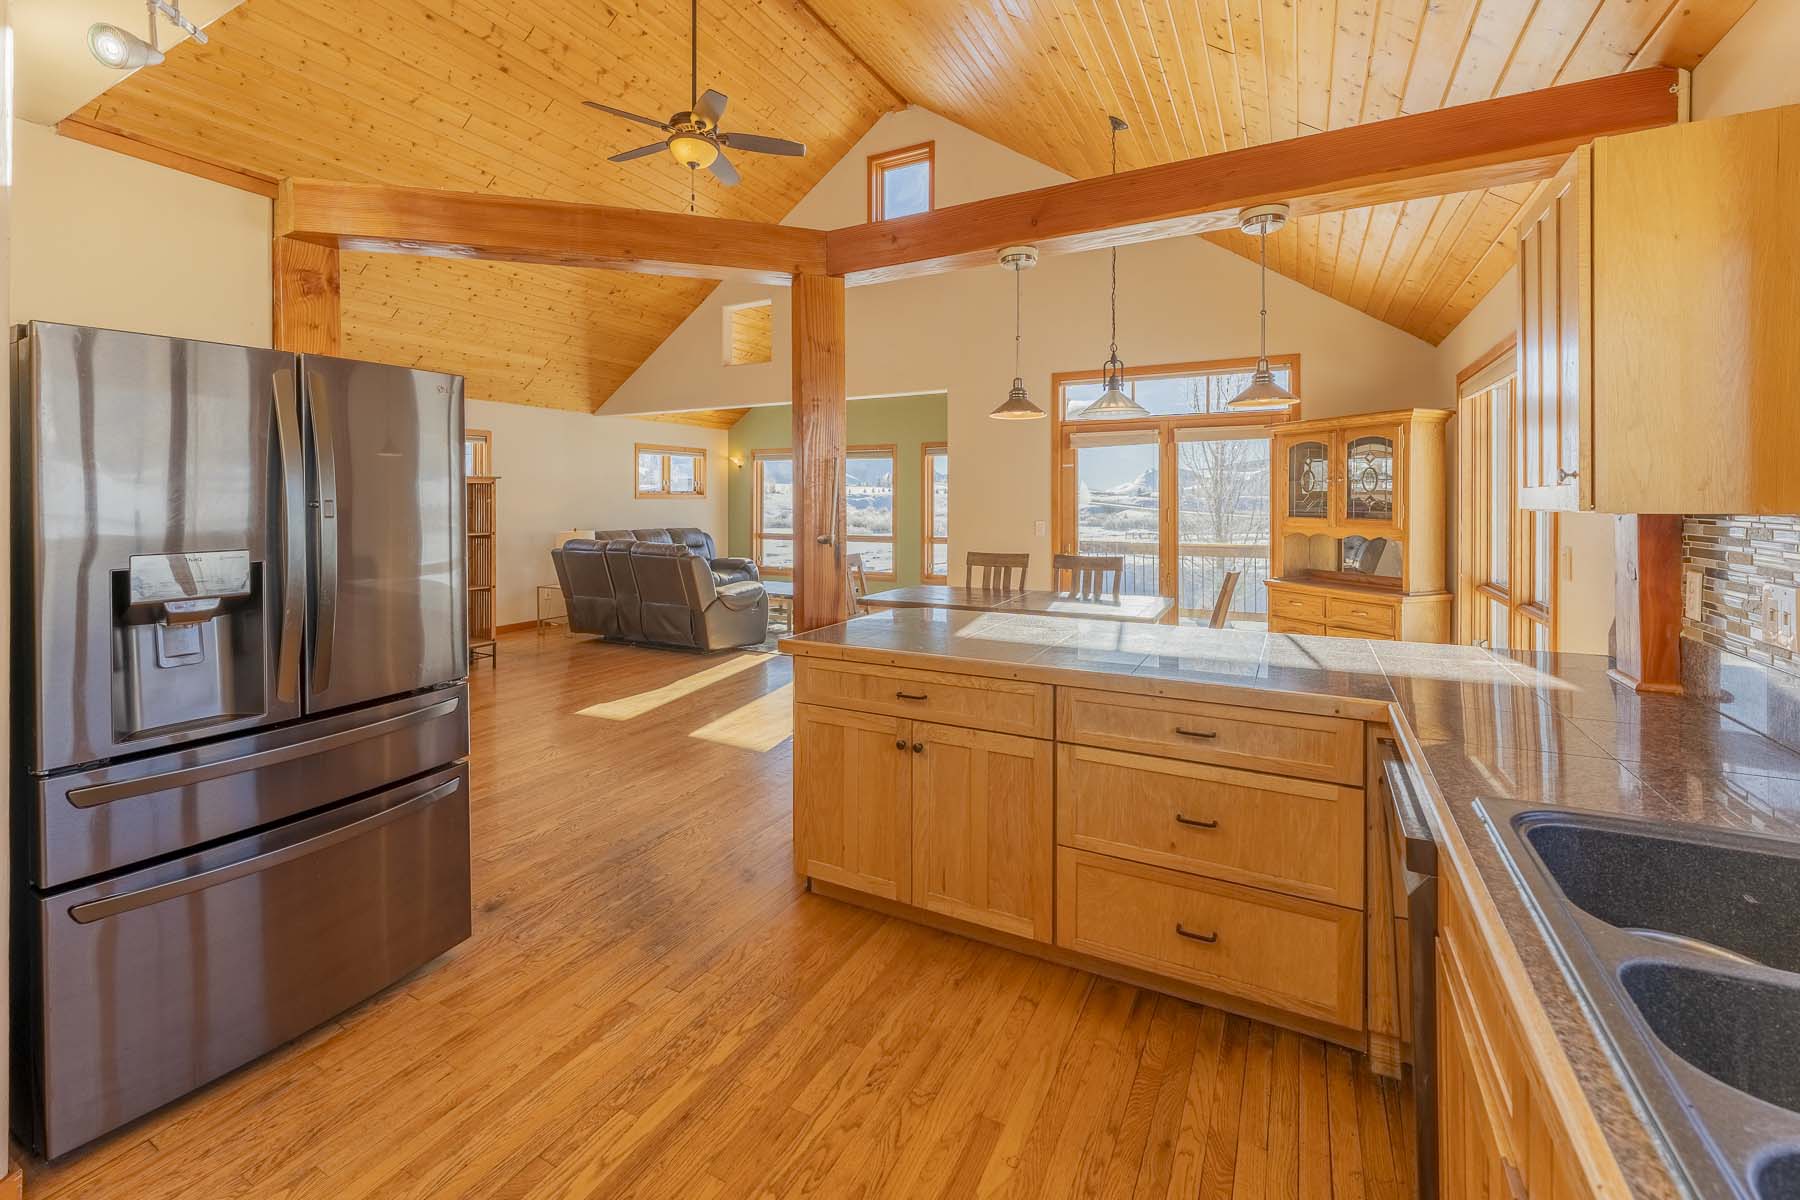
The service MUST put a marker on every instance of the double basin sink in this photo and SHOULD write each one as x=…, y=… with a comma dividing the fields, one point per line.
x=1685, y=943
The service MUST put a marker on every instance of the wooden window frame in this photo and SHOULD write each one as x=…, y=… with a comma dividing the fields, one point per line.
x=1166, y=430
x=757, y=536
x=1493, y=378
x=484, y=453
x=925, y=152
x=891, y=452
x=926, y=540
x=642, y=448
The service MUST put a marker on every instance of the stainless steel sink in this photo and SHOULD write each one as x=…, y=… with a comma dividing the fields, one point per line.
x=1685, y=944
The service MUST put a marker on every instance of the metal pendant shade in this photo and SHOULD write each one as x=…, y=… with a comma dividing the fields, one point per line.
x=1018, y=406
x=1114, y=402
x=1263, y=391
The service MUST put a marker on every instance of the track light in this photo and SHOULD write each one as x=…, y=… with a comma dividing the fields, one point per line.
x=122, y=51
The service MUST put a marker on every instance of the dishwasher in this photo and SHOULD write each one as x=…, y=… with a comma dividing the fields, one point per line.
x=1414, y=858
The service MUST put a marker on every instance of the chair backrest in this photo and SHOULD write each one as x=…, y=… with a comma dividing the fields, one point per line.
x=859, y=581
x=1222, y=606
x=996, y=570
x=1088, y=574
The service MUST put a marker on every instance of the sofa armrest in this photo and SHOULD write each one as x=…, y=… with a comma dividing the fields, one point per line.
x=733, y=569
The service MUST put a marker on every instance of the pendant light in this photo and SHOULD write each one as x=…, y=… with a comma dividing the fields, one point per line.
x=1018, y=406
x=1263, y=392
x=1114, y=401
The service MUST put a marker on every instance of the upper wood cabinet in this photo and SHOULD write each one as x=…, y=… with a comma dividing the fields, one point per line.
x=1657, y=294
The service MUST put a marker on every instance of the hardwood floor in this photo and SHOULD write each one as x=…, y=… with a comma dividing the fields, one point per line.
x=652, y=1006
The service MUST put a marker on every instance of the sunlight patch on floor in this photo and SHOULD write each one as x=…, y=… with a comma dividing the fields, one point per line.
x=760, y=725
x=627, y=708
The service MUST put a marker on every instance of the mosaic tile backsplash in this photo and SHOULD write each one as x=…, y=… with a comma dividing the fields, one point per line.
x=1722, y=661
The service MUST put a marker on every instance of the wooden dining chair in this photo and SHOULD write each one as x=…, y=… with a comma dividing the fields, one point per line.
x=859, y=582
x=996, y=570
x=1221, y=612
x=1088, y=574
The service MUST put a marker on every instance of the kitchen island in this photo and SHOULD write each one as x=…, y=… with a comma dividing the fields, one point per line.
x=1196, y=811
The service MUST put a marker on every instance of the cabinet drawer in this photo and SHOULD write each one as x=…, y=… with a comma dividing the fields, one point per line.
x=1231, y=735
x=1299, y=606
x=1289, y=625
x=1369, y=616
x=1296, y=955
x=972, y=701
x=1297, y=836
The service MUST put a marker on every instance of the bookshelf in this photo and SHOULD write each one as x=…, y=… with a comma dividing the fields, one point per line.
x=481, y=527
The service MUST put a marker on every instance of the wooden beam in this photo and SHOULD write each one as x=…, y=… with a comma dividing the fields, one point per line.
x=1647, y=615
x=308, y=307
x=136, y=147
x=821, y=415
x=401, y=220
x=1487, y=144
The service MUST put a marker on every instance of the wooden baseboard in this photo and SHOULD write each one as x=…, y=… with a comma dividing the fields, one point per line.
x=515, y=626
x=1353, y=1039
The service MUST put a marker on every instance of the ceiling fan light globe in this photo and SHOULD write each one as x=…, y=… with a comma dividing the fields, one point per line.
x=114, y=47
x=693, y=151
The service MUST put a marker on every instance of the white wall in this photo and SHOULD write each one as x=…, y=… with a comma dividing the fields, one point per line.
x=564, y=470
x=1179, y=300
x=1752, y=67
x=102, y=239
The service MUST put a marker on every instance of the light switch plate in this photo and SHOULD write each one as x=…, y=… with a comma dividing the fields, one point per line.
x=1038, y=528
x=1780, y=605
x=1690, y=594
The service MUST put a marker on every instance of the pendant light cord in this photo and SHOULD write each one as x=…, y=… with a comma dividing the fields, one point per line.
x=1018, y=317
x=1115, y=260
x=1263, y=237
x=694, y=55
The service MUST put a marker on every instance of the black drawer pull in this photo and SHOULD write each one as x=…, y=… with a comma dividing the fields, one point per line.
x=1196, y=733
x=1208, y=938
x=1195, y=822
x=909, y=696
x=918, y=747
x=900, y=744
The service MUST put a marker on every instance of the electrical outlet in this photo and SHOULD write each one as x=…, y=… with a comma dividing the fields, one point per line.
x=1690, y=594
x=1038, y=528
x=1780, y=607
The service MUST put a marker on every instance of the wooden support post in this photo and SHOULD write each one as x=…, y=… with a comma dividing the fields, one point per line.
x=307, y=301
x=821, y=593
x=1647, y=583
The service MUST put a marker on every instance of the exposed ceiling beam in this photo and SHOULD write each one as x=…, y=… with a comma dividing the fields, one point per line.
x=1490, y=143
x=400, y=220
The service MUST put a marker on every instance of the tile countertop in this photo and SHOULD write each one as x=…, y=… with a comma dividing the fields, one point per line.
x=1538, y=728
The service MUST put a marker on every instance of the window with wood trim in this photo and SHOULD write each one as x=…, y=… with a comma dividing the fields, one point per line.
x=669, y=472
x=934, y=515
x=869, y=508
x=902, y=182
x=772, y=512
x=1507, y=556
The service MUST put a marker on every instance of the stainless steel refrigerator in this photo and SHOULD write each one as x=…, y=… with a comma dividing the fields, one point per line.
x=240, y=799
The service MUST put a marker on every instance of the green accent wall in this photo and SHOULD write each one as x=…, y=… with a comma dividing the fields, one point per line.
x=905, y=422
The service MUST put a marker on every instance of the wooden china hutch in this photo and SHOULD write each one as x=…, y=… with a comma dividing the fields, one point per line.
x=1356, y=545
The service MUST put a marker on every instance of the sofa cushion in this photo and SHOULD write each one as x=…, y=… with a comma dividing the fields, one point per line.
x=656, y=537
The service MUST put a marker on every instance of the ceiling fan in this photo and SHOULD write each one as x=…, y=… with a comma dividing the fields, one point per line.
x=695, y=139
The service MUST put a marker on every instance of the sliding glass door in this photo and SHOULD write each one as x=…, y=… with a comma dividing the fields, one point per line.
x=1118, y=504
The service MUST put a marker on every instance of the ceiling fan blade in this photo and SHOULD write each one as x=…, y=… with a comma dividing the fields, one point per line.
x=629, y=116
x=640, y=152
x=756, y=143
x=723, y=171
x=711, y=105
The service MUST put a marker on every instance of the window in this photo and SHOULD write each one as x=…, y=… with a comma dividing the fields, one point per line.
x=478, y=452
x=1507, y=556
x=901, y=182
x=1183, y=494
x=670, y=472
x=934, y=554
x=869, y=507
x=772, y=520
x=749, y=333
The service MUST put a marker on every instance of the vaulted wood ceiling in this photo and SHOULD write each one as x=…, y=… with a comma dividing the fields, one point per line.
x=484, y=95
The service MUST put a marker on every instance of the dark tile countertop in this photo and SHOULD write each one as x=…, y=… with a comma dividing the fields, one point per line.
x=1548, y=729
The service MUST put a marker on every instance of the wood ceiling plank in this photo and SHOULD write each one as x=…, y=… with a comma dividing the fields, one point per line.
x=1378, y=240
x=1409, y=233
x=1493, y=37
x=1253, y=74
x=1351, y=51
x=1545, y=44
x=1447, y=219
x=1352, y=236
x=1317, y=33
x=1281, y=52
x=1486, y=224
x=1688, y=32
x=1396, y=43
x=1493, y=265
x=1442, y=35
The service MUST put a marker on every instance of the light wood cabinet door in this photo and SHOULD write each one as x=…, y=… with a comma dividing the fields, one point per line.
x=853, y=800
x=983, y=842
x=1555, y=416
x=1472, y=1156
x=1370, y=480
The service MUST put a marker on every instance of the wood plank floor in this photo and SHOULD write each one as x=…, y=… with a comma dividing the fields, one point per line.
x=652, y=1006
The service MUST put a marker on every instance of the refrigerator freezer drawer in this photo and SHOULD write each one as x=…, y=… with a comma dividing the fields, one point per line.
x=144, y=987
x=91, y=822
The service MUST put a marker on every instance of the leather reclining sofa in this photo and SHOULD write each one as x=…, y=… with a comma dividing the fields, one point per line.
x=661, y=587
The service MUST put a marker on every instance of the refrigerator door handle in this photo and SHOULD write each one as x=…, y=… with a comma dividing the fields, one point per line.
x=106, y=793
x=112, y=906
x=293, y=535
x=325, y=469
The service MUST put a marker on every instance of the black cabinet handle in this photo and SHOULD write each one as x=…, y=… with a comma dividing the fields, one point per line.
x=900, y=744
x=918, y=747
x=1195, y=823
x=1196, y=733
x=909, y=696
x=1208, y=938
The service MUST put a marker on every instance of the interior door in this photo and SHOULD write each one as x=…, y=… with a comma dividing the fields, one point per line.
x=853, y=800
x=983, y=805
x=388, y=611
